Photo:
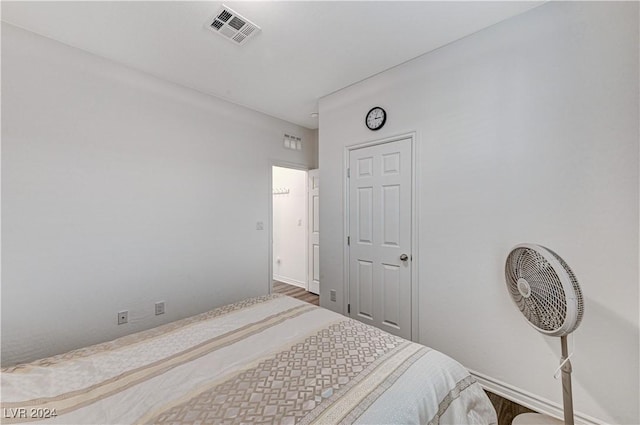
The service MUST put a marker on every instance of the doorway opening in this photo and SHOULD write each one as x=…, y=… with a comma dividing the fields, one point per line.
x=290, y=227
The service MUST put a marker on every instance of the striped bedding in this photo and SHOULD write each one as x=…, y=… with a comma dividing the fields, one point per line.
x=271, y=359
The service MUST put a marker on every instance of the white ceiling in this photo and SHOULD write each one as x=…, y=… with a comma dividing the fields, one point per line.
x=306, y=50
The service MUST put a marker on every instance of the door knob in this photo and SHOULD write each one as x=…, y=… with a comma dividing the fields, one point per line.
x=404, y=257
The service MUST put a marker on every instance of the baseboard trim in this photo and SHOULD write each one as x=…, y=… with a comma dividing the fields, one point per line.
x=289, y=281
x=532, y=401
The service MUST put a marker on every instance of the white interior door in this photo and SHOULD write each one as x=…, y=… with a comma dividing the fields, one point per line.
x=380, y=192
x=314, y=232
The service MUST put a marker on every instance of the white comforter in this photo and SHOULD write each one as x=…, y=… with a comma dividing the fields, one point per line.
x=271, y=359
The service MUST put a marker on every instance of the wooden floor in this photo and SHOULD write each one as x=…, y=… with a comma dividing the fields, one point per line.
x=506, y=409
x=295, y=292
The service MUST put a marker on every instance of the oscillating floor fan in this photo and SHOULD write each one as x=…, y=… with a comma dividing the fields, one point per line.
x=547, y=293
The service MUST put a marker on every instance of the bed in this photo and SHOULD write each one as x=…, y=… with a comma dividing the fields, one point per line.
x=271, y=359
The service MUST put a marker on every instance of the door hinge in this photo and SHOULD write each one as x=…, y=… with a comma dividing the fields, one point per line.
x=349, y=240
x=348, y=172
x=348, y=308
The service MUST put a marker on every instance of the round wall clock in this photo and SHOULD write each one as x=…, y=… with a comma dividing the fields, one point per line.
x=375, y=118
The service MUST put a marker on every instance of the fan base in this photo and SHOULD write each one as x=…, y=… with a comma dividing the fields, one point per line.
x=535, y=419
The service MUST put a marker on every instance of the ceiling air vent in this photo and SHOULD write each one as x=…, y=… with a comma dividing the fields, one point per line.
x=233, y=26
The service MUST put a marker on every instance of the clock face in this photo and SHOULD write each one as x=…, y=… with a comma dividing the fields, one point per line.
x=376, y=118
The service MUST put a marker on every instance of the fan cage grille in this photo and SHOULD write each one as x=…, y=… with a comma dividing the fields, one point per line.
x=576, y=289
x=546, y=306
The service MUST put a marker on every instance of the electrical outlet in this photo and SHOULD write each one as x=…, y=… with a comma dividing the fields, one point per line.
x=159, y=308
x=332, y=294
x=123, y=317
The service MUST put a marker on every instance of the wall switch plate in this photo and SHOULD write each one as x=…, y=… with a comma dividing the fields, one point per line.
x=159, y=308
x=123, y=317
x=332, y=294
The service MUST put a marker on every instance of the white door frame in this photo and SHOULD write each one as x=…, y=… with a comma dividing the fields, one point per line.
x=296, y=166
x=414, y=224
x=313, y=192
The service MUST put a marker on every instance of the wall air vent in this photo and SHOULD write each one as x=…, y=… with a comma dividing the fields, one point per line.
x=292, y=142
x=232, y=26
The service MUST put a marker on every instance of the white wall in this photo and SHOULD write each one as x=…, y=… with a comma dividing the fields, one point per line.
x=120, y=190
x=527, y=132
x=290, y=226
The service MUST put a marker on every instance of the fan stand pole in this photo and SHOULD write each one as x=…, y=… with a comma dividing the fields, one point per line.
x=567, y=398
